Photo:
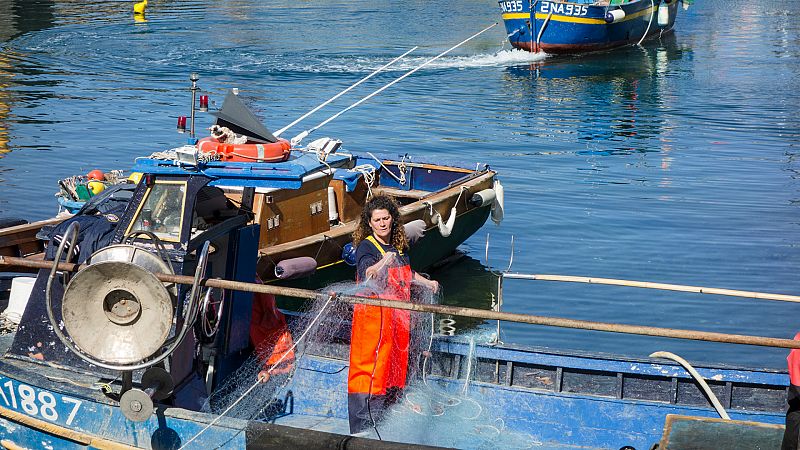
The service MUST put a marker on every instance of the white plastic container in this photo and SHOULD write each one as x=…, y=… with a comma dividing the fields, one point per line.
x=663, y=15
x=21, y=288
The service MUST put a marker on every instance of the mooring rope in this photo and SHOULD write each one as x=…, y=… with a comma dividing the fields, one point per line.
x=279, y=132
x=269, y=371
x=652, y=13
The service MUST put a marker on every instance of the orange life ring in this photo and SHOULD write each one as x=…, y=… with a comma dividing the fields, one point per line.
x=268, y=152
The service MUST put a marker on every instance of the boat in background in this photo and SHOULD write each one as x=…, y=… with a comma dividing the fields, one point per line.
x=585, y=26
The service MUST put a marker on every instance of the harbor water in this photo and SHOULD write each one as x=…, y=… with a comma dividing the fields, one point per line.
x=673, y=162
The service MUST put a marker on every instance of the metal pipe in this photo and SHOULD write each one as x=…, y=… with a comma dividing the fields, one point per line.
x=193, y=77
x=452, y=310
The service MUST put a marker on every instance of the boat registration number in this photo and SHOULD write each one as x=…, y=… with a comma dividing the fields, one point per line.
x=510, y=6
x=38, y=403
x=564, y=9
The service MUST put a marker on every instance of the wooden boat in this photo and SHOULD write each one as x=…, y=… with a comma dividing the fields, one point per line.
x=585, y=26
x=307, y=206
x=515, y=396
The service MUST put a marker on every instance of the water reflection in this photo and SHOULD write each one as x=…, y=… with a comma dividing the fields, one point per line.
x=23, y=16
x=465, y=282
x=613, y=97
x=16, y=19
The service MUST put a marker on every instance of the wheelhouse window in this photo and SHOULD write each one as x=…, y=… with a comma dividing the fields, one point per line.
x=161, y=212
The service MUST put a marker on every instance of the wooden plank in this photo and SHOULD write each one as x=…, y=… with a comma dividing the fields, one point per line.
x=699, y=433
x=353, y=202
x=21, y=240
x=293, y=209
x=393, y=192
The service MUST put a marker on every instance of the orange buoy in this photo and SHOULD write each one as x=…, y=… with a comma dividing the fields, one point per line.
x=96, y=174
x=267, y=152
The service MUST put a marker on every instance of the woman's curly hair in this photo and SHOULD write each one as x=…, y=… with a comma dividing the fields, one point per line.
x=397, y=237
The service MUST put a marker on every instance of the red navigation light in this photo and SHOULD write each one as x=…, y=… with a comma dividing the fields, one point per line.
x=203, y=103
x=181, y=124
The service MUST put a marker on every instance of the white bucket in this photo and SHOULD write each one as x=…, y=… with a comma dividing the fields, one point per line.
x=21, y=288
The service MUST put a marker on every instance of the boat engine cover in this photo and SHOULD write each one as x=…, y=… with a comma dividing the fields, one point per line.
x=117, y=312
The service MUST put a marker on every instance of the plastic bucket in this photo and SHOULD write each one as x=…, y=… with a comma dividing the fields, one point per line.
x=21, y=288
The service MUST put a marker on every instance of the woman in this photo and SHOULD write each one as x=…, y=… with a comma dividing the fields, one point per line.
x=380, y=336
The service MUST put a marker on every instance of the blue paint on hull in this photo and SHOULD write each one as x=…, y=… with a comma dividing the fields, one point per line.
x=585, y=30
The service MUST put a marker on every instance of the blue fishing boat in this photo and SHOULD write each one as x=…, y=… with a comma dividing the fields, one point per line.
x=130, y=327
x=558, y=27
x=130, y=348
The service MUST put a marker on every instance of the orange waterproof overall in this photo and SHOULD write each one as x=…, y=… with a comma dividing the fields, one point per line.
x=378, y=351
x=270, y=335
x=791, y=435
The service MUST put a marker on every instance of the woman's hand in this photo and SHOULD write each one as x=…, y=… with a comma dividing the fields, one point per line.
x=433, y=285
x=388, y=258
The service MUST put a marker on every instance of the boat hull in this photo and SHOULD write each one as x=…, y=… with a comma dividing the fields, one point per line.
x=563, y=28
x=553, y=399
x=326, y=247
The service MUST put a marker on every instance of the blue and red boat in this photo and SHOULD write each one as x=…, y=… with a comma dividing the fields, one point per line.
x=585, y=26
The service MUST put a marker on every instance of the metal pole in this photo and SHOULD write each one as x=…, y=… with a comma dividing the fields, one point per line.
x=193, y=77
x=661, y=286
x=452, y=310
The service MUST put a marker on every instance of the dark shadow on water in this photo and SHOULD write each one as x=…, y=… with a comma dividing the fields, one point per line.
x=23, y=16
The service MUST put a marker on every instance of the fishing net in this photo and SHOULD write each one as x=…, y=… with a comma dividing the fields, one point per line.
x=428, y=410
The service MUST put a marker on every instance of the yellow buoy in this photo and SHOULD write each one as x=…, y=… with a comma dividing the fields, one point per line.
x=96, y=187
x=138, y=8
x=135, y=177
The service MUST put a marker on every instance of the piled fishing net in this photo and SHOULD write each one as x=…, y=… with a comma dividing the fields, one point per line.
x=429, y=410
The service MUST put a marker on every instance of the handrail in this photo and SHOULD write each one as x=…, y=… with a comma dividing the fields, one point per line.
x=651, y=285
x=451, y=310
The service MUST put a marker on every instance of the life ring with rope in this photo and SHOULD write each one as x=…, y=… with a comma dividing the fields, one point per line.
x=266, y=152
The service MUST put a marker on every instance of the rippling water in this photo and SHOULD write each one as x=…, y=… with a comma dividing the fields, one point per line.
x=674, y=162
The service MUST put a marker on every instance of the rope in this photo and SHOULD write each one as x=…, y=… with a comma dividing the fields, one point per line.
x=296, y=140
x=368, y=172
x=269, y=371
x=279, y=132
x=401, y=167
x=714, y=400
x=652, y=13
x=7, y=326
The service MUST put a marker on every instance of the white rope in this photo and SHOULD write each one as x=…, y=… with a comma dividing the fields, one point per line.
x=652, y=13
x=241, y=397
x=368, y=172
x=401, y=167
x=445, y=227
x=278, y=133
x=296, y=140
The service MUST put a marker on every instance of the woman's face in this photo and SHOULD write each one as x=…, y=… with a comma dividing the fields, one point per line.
x=381, y=224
